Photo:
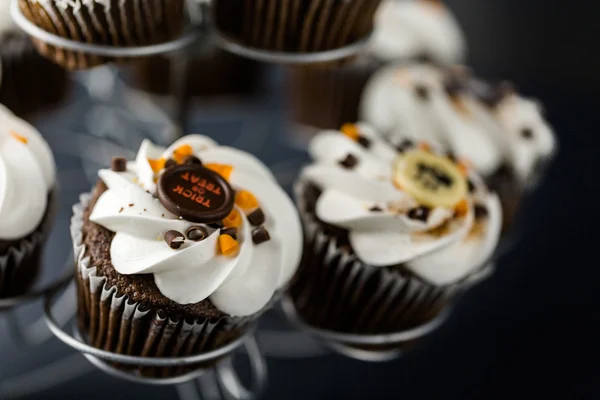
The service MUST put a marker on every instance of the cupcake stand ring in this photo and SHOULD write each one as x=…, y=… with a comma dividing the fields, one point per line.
x=224, y=371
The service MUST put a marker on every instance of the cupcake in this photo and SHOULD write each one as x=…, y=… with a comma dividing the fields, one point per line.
x=27, y=201
x=503, y=135
x=297, y=26
x=119, y=23
x=179, y=251
x=28, y=82
x=392, y=234
x=328, y=95
x=222, y=74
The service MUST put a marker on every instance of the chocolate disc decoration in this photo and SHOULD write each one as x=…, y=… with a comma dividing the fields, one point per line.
x=195, y=193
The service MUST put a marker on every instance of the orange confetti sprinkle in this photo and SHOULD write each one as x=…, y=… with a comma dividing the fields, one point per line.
x=246, y=200
x=20, y=138
x=462, y=208
x=157, y=165
x=350, y=130
x=233, y=220
x=227, y=245
x=182, y=152
x=222, y=169
x=424, y=146
x=464, y=167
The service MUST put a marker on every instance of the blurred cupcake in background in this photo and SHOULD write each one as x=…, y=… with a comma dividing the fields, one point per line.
x=211, y=72
x=27, y=202
x=119, y=23
x=296, y=26
x=29, y=83
x=501, y=134
x=392, y=233
x=327, y=95
x=183, y=248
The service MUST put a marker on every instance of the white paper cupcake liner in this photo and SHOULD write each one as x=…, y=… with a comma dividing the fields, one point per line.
x=114, y=323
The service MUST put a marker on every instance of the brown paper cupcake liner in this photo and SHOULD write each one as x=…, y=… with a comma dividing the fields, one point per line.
x=326, y=96
x=301, y=26
x=20, y=262
x=334, y=290
x=110, y=321
x=123, y=23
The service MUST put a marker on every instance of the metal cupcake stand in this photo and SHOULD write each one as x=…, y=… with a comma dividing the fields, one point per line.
x=220, y=381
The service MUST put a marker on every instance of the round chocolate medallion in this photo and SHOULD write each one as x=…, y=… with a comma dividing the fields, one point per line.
x=195, y=193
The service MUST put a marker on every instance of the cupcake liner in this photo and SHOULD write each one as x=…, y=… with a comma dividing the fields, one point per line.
x=29, y=82
x=119, y=23
x=328, y=95
x=112, y=322
x=296, y=25
x=20, y=262
x=334, y=290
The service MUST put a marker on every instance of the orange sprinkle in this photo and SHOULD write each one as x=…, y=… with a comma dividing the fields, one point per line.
x=424, y=146
x=182, y=152
x=233, y=220
x=462, y=208
x=157, y=165
x=350, y=130
x=398, y=186
x=246, y=200
x=227, y=245
x=222, y=169
x=464, y=167
x=20, y=138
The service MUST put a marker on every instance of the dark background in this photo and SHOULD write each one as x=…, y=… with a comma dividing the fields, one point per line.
x=533, y=329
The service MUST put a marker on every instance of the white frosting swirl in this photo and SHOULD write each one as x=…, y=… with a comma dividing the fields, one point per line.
x=488, y=137
x=238, y=285
x=6, y=22
x=387, y=236
x=27, y=175
x=411, y=28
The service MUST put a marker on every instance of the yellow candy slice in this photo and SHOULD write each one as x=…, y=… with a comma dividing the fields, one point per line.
x=432, y=180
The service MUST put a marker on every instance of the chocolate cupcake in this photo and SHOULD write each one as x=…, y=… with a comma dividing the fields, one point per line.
x=181, y=250
x=392, y=233
x=295, y=26
x=27, y=201
x=328, y=95
x=120, y=23
x=213, y=72
x=503, y=135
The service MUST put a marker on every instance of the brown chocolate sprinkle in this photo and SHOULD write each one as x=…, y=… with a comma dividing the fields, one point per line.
x=257, y=217
x=192, y=160
x=364, y=141
x=230, y=231
x=480, y=211
x=349, y=162
x=260, y=235
x=174, y=239
x=404, y=145
x=419, y=213
x=131, y=205
x=422, y=92
x=527, y=133
x=216, y=225
x=195, y=193
x=471, y=186
x=196, y=233
x=170, y=163
x=121, y=210
x=375, y=209
x=118, y=164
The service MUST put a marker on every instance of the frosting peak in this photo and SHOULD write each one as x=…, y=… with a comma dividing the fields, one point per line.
x=237, y=261
x=27, y=175
x=410, y=205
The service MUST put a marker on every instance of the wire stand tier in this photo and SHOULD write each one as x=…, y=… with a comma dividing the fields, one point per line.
x=223, y=371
